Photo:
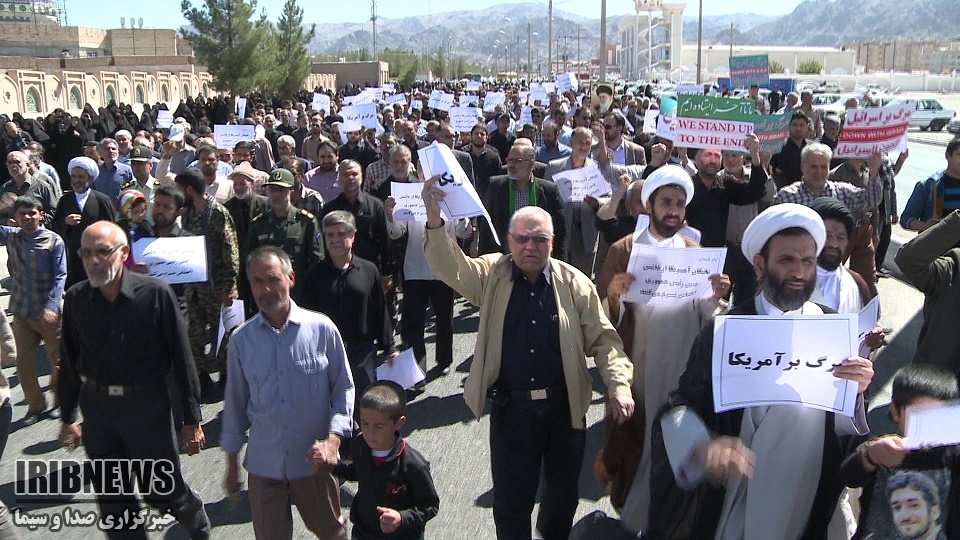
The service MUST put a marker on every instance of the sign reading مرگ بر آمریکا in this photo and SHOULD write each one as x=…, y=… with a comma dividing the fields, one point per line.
x=750, y=70
x=760, y=361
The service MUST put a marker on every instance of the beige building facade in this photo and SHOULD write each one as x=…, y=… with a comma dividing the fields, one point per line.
x=931, y=55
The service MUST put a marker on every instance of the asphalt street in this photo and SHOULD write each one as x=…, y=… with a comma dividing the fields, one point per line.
x=442, y=428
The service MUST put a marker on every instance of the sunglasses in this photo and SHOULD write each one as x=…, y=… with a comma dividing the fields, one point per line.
x=523, y=239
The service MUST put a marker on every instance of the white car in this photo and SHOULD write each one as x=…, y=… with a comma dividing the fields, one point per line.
x=927, y=113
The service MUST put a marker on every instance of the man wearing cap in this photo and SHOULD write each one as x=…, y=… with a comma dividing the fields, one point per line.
x=657, y=362
x=76, y=211
x=764, y=471
x=177, y=151
x=140, y=160
x=245, y=204
x=206, y=217
x=287, y=227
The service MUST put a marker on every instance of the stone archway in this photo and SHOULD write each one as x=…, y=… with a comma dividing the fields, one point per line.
x=164, y=92
x=138, y=95
x=110, y=94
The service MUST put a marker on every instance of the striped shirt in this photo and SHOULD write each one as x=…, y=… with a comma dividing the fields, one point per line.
x=38, y=270
x=858, y=200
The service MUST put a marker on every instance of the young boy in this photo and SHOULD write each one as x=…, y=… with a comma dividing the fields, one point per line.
x=395, y=494
x=908, y=493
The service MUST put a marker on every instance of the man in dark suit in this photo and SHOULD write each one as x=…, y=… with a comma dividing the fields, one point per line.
x=518, y=188
x=76, y=211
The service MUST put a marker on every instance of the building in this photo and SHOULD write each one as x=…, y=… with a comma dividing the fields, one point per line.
x=650, y=41
x=45, y=65
x=360, y=74
x=716, y=59
x=931, y=55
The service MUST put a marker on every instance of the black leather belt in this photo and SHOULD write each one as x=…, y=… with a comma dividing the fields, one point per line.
x=116, y=390
x=539, y=394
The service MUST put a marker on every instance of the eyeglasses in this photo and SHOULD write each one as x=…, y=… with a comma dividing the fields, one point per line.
x=517, y=161
x=522, y=239
x=101, y=253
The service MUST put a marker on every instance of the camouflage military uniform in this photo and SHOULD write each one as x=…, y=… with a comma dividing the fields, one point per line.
x=297, y=233
x=204, y=300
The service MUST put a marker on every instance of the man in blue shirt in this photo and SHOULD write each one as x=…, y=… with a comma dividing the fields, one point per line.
x=113, y=174
x=37, y=261
x=290, y=386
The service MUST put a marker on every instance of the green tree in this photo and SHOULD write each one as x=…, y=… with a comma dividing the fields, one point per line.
x=440, y=64
x=410, y=75
x=776, y=67
x=236, y=49
x=810, y=67
x=461, y=68
x=291, y=40
x=363, y=55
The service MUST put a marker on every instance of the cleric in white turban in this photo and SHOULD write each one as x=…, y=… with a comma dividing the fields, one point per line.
x=778, y=218
x=668, y=175
x=86, y=165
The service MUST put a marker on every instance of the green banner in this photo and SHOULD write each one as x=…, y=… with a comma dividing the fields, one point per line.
x=717, y=108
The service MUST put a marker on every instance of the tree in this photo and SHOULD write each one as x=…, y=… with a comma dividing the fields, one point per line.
x=461, y=68
x=294, y=63
x=775, y=67
x=440, y=64
x=410, y=75
x=810, y=67
x=236, y=49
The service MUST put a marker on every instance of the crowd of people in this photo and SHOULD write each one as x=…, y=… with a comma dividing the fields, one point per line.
x=298, y=223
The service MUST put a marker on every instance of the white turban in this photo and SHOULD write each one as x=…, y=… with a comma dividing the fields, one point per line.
x=780, y=217
x=85, y=163
x=666, y=176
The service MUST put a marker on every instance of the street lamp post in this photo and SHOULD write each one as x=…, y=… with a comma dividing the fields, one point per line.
x=699, y=41
x=603, y=40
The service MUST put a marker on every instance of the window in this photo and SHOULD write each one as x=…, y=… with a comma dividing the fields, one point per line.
x=186, y=90
x=76, y=99
x=205, y=90
x=33, y=100
x=139, y=94
x=110, y=95
x=164, y=93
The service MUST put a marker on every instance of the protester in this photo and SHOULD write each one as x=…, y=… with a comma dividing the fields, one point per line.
x=76, y=211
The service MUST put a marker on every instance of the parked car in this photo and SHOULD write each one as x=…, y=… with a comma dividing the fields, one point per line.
x=928, y=113
x=954, y=125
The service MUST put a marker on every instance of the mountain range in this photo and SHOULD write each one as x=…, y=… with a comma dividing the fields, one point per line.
x=483, y=36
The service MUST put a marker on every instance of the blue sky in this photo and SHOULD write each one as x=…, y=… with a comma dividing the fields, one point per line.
x=166, y=13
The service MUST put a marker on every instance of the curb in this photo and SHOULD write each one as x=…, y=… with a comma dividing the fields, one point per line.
x=925, y=141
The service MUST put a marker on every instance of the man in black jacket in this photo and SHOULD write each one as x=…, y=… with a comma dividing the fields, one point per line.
x=518, y=188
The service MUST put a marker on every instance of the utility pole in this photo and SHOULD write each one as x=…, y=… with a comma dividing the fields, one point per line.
x=518, y=57
x=529, y=57
x=549, y=38
x=578, y=51
x=699, y=41
x=731, y=39
x=373, y=17
x=603, y=40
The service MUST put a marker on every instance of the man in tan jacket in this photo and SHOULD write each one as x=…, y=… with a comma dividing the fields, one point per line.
x=539, y=320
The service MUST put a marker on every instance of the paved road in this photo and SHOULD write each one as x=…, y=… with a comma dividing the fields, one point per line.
x=443, y=429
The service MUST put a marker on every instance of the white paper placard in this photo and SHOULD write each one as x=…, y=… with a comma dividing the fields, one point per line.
x=409, y=199
x=365, y=115
x=460, y=197
x=164, y=119
x=321, y=102
x=176, y=259
x=230, y=317
x=492, y=99
x=227, y=136
x=932, y=425
x=462, y=119
x=760, y=361
x=404, y=370
x=575, y=184
x=669, y=276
